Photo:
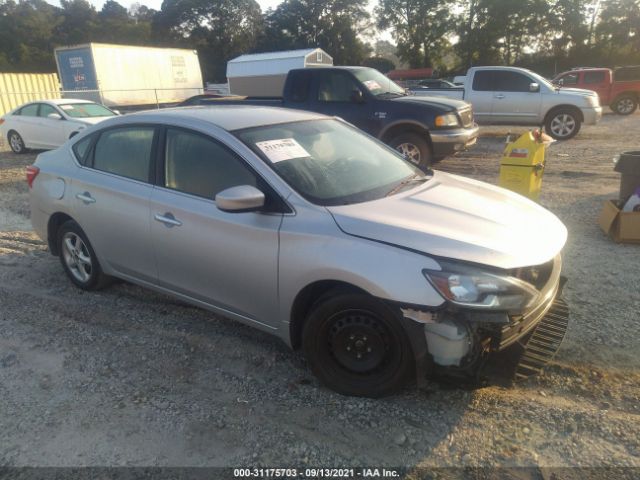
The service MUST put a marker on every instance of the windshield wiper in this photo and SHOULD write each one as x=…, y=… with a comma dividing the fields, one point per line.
x=412, y=179
x=391, y=93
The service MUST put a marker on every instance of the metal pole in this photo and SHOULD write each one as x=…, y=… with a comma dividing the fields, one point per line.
x=155, y=90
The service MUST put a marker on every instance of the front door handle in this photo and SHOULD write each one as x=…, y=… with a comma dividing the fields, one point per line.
x=168, y=219
x=86, y=198
x=499, y=95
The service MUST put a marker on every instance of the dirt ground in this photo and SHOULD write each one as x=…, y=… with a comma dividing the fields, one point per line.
x=129, y=377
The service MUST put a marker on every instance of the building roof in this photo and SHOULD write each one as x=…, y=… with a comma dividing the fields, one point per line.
x=275, y=63
x=256, y=57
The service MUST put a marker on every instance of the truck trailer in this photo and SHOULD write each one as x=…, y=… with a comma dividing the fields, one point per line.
x=125, y=76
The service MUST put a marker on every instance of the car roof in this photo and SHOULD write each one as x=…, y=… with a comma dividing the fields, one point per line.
x=65, y=101
x=229, y=117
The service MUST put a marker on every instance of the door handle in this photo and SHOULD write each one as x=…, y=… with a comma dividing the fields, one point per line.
x=86, y=198
x=168, y=219
x=499, y=95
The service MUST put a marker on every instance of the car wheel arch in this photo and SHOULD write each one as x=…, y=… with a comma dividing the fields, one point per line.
x=575, y=110
x=55, y=222
x=396, y=129
x=307, y=298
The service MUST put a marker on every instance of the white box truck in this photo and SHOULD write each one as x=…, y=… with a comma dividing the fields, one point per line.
x=123, y=75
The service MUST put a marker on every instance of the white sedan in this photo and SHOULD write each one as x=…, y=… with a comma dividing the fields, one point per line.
x=47, y=124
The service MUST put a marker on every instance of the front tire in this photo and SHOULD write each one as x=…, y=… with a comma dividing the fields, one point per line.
x=78, y=258
x=16, y=142
x=563, y=124
x=415, y=148
x=624, y=105
x=357, y=346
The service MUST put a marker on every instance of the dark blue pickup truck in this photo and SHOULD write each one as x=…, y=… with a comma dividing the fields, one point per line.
x=423, y=129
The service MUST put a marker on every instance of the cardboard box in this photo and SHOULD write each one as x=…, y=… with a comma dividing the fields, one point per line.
x=622, y=227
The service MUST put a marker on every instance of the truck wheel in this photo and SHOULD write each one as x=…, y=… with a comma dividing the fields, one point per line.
x=15, y=142
x=624, y=105
x=563, y=124
x=357, y=346
x=414, y=148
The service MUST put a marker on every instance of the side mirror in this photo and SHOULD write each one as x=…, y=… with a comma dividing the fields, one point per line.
x=560, y=82
x=534, y=87
x=243, y=198
x=54, y=116
x=357, y=96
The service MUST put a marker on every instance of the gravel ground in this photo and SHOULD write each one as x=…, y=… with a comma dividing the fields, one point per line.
x=129, y=377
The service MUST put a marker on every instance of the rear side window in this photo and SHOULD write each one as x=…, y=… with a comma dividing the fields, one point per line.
x=593, y=77
x=300, y=86
x=29, y=110
x=483, y=81
x=200, y=166
x=81, y=149
x=125, y=151
x=511, y=82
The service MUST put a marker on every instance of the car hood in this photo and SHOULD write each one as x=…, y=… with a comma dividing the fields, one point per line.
x=577, y=91
x=459, y=218
x=445, y=103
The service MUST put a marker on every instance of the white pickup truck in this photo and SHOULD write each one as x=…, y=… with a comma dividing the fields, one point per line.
x=516, y=96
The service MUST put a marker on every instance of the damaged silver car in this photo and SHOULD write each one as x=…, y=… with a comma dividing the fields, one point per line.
x=302, y=226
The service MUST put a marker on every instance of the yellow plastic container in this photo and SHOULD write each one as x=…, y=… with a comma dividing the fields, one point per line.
x=522, y=164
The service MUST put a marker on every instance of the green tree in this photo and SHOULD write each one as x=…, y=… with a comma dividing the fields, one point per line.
x=220, y=30
x=618, y=33
x=333, y=25
x=78, y=22
x=381, y=64
x=419, y=27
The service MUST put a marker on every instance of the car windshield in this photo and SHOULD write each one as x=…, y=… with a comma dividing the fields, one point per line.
x=86, y=110
x=377, y=83
x=331, y=163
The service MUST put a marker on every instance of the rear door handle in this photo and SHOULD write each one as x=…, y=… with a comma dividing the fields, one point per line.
x=168, y=219
x=86, y=198
x=499, y=95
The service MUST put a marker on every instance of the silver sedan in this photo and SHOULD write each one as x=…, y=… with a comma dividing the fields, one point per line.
x=300, y=225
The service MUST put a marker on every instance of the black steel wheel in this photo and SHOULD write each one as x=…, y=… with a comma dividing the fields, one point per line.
x=78, y=258
x=357, y=346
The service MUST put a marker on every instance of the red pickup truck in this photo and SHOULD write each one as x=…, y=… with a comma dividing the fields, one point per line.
x=620, y=89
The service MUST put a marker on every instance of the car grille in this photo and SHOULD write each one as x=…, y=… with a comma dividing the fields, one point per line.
x=466, y=116
x=538, y=275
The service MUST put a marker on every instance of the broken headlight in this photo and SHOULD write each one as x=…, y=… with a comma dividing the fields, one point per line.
x=476, y=288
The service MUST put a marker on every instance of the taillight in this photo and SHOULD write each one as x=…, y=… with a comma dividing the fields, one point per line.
x=32, y=173
x=1, y=121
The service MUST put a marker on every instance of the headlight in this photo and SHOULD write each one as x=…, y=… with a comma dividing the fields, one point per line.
x=475, y=288
x=448, y=120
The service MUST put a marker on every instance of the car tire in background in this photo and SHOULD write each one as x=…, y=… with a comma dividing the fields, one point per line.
x=624, y=105
x=356, y=345
x=78, y=258
x=563, y=123
x=414, y=148
x=16, y=142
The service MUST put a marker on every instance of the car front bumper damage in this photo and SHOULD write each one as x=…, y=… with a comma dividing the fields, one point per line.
x=457, y=344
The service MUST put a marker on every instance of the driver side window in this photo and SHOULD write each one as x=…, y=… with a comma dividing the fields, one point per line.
x=336, y=86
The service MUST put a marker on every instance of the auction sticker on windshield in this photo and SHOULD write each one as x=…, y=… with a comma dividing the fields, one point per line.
x=282, y=149
x=372, y=84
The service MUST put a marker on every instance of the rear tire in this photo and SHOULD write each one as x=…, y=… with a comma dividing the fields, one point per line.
x=625, y=105
x=357, y=346
x=78, y=258
x=415, y=148
x=16, y=142
x=562, y=124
